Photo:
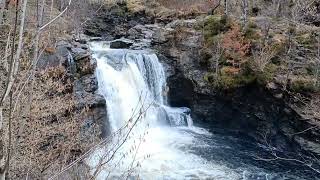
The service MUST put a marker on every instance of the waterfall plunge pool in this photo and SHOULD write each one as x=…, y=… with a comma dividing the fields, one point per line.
x=151, y=140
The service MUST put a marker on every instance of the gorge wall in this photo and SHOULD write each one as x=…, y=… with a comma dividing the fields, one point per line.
x=259, y=112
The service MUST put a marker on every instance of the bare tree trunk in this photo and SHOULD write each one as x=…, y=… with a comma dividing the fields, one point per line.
x=7, y=52
x=219, y=53
x=2, y=156
x=36, y=51
x=318, y=62
x=245, y=10
x=277, y=7
x=3, y=163
x=226, y=7
x=13, y=70
x=215, y=7
x=288, y=61
x=2, y=6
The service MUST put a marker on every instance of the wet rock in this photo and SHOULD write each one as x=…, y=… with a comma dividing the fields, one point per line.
x=181, y=92
x=86, y=96
x=272, y=86
x=121, y=44
x=308, y=145
x=85, y=91
x=90, y=83
x=142, y=31
x=79, y=53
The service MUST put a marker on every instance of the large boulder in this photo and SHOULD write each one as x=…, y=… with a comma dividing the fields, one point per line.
x=54, y=57
x=79, y=53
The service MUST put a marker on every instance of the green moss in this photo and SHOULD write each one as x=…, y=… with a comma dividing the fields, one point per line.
x=229, y=81
x=292, y=29
x=278, y=48
x=267, y=75
x=234, y=81
x=246, y=76
x=210, y=40
x=251, y=32
x=311, y=69
x=205, y=58
x=214, y=26
x=252, y=25
x=210, y=78
x=307, y=40
x=304, y=85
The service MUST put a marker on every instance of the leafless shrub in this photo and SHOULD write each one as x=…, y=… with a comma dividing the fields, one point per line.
x=261, y=58
x=309, y=162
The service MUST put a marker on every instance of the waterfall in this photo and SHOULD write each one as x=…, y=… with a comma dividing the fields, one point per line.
x=158, y=147
x=127, y=76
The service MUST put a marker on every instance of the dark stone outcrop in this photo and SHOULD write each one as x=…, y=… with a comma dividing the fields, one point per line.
x=114, y=23
x=76, y=58
x=86, y=91
x=79, y=53
x=54, y=57
x=121, y=44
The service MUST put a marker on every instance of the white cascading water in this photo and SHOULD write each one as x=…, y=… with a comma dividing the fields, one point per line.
x=159, y=144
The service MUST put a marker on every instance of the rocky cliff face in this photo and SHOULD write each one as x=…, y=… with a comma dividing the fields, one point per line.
x=80, y=67
x=253, y=110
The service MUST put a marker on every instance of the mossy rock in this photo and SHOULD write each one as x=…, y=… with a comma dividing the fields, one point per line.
x=210, y=78
x=205, y=58
x=267, y=75
x=307, y=40
x=279, y=48
x=304, y=85
x=230, y=78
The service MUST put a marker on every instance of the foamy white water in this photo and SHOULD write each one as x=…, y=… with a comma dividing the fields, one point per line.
x=159, y=144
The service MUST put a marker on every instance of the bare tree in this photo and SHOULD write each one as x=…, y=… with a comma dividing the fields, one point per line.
x=2, y=7
x=218, y=51
x=226, y=7
x=245, y=11
x=262, y=58
x=290, y=49
x=13, y=68
x=277, y=7
x=309, y=162
x=317, y=74
x=10, y=78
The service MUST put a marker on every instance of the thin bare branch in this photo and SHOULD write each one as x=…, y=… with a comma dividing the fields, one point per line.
x=55, y=18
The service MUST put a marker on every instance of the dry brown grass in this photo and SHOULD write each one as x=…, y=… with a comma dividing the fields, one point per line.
x=187, y=5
